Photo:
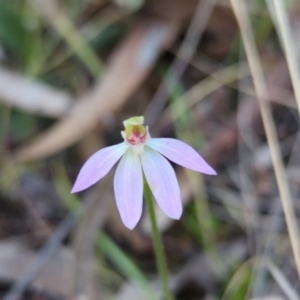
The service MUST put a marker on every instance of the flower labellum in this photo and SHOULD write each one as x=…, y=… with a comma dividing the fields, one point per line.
x=140, y=154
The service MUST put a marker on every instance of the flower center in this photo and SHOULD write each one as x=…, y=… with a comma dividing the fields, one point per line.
x=135, y=134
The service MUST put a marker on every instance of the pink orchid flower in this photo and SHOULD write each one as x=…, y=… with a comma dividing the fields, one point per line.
x=142, y=154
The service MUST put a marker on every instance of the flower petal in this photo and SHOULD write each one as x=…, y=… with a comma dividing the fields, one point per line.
x=128, y=185
x=182, y=154
x=97, y=166
x=162, y=181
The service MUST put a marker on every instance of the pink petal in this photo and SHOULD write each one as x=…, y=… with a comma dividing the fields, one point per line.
x=128, y=185
x=162, y=181
x=182, y=154
x=97, y=166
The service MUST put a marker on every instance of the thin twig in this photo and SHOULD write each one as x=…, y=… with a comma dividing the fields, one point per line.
x=199, y=91
x=185, y=54
x=48, y=250
x=288, y=46
x=240, y=11
x=282, y=281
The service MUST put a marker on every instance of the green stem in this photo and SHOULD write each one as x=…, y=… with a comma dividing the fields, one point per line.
x=159, y=253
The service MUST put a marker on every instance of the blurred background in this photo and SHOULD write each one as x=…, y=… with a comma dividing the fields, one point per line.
x=72, y=70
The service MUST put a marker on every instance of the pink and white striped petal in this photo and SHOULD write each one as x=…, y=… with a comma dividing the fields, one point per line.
x=128, y=186
x=97, y=166
x=162, y=181
x=181, y=154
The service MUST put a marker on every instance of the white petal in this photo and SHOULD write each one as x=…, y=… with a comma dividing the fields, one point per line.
x=128, y=185
x=162, y=181
x=98, y=165
x=182, y=154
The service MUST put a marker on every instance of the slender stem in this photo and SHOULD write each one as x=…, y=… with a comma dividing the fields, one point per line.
x=158, y=248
